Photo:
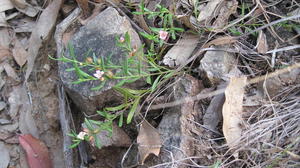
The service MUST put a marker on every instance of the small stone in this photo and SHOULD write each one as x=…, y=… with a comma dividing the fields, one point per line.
x=46, y=67
x=2, y=105
x=216, y=64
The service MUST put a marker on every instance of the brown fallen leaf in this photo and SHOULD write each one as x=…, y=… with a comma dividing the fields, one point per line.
x=262, y=45
x=84, y=5
x=36, y=151
x=181, y=51
x=148, y=140
x=232, y=111
x=221, y=41
x=19, y=53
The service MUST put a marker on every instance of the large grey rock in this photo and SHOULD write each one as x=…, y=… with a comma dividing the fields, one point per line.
x=176, y=128
x=216, y=65
x=98, y=36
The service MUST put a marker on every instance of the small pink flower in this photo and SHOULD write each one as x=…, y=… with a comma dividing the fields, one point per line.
x=122, y=39
x=163, y=35
x=99, y=74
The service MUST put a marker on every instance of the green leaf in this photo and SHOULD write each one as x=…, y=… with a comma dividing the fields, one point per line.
x=74, y=145
x=133, y=110
x=116, y=108
x=148, y=80
x=70, y=69
x=121, y=83
x=97, y=142
x=123, y=91
x=125, y=66
x=154, y=85
x=167, y=76
x=102, y=113
x=102, y=64
x=71, y=135
x=88, y=124
x=120, y=124
x=99, y=86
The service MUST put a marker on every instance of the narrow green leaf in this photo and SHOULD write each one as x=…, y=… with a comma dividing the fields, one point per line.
x=120, y=124
x=70, y=69
x=133, y=110
x=74, y=145
x=154, y=85
x=148, y=80
x=97, y=142
x=116, y=108
x=99, y=86
x=88, y=124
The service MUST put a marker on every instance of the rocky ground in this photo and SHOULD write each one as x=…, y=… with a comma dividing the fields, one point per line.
x=232, y=100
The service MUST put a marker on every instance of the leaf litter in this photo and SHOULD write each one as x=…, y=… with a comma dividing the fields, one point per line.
x=260, y=131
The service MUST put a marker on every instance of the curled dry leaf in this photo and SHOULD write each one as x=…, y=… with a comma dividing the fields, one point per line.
x=36, y=151
x=148, y=140
x=262, y=45
x=232, y=111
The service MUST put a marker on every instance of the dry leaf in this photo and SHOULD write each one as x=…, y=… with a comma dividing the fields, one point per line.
x=226, y=10
x=84, y=5
x=10, y=71
x=208, y=11
x=36, y=151
x=4, y=153
x=43, y=27
x=19, y=53
x=262, y=45
x=5, y=38
x=4, y=53
x=221, y=41
x=5, y=5
x=182, y=50
x=232, y=111
x=148, y=140
x=25, y=7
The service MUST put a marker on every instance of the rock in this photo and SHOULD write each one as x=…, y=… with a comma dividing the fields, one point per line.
x=4, y=153
x=175, y=127
x=15, y=102
x=216, y=64
x=277, y=83
x=2, y=105
x=119, y=138
x=98, y=36
x=213, y=113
